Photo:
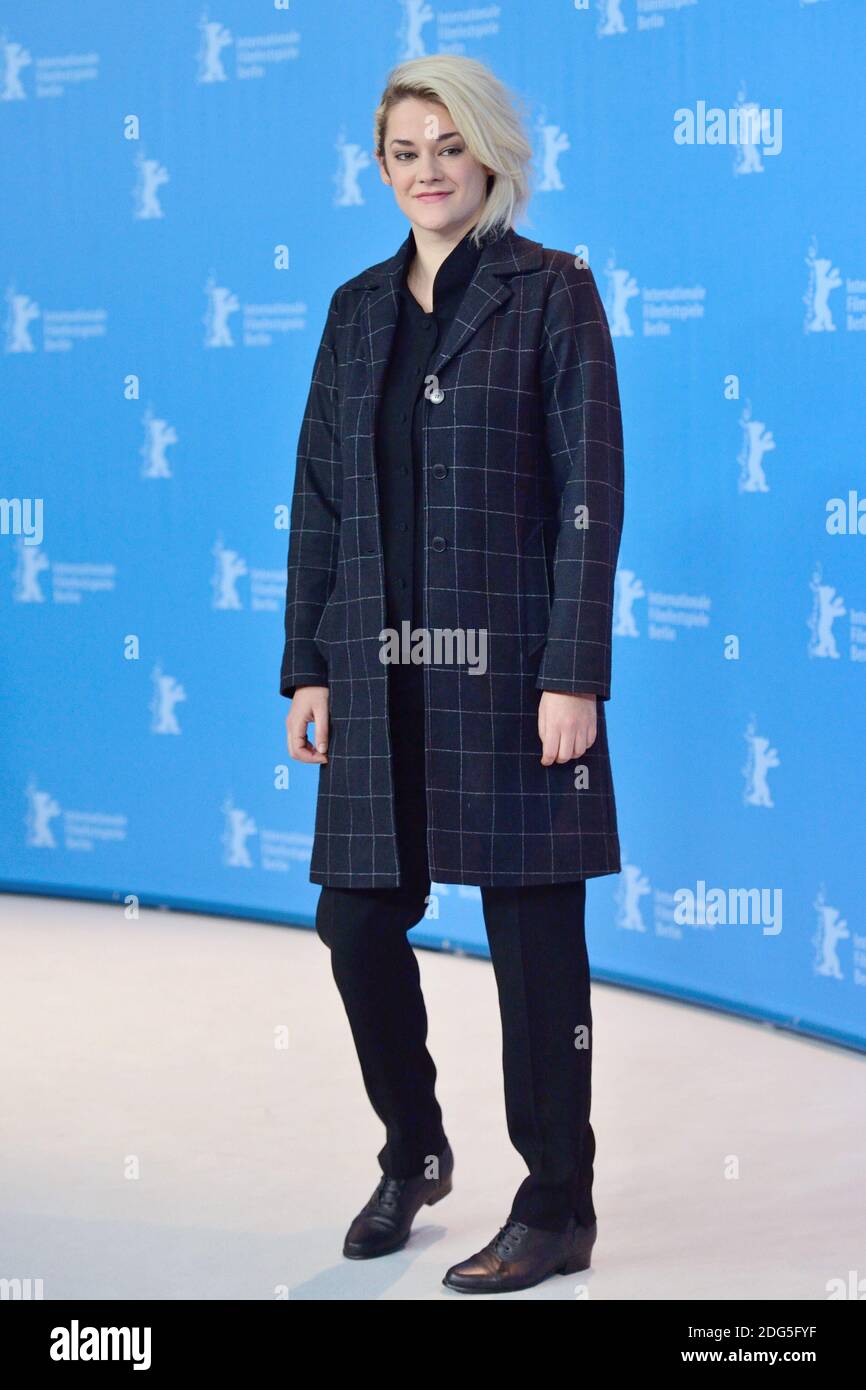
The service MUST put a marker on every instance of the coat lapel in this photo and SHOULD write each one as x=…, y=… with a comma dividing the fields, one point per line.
x=500, y=259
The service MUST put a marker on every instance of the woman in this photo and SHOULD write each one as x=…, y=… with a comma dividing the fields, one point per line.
x=454, y=535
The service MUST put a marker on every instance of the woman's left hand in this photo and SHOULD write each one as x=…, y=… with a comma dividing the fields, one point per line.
x=566, y=726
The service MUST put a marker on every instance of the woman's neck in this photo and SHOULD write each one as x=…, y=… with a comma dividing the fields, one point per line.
x=431, y=251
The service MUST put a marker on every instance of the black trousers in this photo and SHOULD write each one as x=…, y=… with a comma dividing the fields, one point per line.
x=538, y=950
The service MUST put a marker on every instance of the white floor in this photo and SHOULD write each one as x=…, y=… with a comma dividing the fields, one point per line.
x=183, y=1117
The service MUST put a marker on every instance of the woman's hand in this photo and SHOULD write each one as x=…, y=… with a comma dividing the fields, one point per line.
x=309, y=706
x=566, y=726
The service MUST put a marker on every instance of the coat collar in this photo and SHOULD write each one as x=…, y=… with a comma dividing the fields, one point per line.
x=502, y=257
x=451, y=279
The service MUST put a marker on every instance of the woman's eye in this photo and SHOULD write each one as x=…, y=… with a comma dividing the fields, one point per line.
x=403, y=155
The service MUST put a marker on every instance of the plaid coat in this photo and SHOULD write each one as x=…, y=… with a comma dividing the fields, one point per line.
x=523, y=478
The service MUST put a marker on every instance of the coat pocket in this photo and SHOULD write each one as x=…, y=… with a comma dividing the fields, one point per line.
x=536, y=601
x=535, y=623
x=534, y=644
x=321, y=635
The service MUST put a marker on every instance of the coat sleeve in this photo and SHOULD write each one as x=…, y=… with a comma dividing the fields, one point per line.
x=583, y=430
x=315, y=520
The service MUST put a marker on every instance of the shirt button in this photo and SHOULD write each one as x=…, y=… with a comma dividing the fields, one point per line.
x=439, y=470
x=439, y=543
x=403, y=526
x=403, y=469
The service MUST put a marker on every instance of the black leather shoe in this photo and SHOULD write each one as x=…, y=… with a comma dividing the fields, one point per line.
x=384, y=1224
x=520, y=1256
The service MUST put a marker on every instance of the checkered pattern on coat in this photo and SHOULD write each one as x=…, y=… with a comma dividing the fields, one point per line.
x=527, y=433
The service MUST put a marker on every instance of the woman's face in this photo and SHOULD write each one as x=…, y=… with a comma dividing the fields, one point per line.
x=436, y=181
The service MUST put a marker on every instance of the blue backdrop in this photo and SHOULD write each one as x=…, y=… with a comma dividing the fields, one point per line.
x=183, y=188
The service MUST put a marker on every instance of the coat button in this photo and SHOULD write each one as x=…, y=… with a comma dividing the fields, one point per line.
x=439, y=470
x=439, y=543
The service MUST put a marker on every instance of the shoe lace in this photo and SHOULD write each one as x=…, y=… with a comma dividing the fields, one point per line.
x=389, y=1190
x=503, y=1243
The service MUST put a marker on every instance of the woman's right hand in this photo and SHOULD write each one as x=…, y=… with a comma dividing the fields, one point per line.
x=309, y=706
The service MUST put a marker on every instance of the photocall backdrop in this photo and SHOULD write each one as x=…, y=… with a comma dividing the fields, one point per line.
x=183, y=188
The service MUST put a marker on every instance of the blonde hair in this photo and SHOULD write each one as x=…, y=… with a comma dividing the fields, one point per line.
x=485, y=114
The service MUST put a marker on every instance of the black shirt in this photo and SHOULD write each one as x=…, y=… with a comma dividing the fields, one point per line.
x=399, y=448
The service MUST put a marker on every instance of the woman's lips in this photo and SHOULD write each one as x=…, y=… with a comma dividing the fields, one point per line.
x=431, y=197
